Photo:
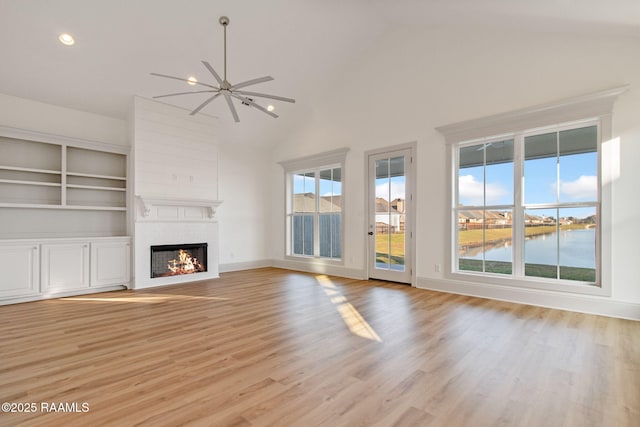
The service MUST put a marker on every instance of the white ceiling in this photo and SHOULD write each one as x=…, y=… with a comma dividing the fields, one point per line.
x=303, y=44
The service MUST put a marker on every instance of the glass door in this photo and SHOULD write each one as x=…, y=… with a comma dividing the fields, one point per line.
x=390, y=203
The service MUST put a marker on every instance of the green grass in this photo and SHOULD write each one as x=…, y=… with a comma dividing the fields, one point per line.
x=397, y=248
x=531, y=270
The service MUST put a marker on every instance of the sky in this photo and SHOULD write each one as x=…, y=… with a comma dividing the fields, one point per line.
x=576, y=174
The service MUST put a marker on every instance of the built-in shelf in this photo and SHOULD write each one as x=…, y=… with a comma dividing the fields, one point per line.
x=45, y=184
x=47, y=180
x=87, y=175
x=93, y=187
x=18, y=169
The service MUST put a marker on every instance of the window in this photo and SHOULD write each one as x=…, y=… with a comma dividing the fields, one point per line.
x=532, y=205
x=536, y=217
x=314, y=211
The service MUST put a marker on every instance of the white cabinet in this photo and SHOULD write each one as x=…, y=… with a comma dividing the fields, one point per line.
x=34, y=269
x=110, y=262
x=19, y=269
x=65, y=266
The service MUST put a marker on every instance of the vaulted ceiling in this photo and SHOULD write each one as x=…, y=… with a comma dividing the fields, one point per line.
x=303, y=44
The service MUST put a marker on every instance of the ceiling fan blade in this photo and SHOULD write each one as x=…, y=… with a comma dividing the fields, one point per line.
x=252, y=82
x=184, y=80
x=184, y=93
x=227, y=96
x=264, y=95
x=212, y=71
x=253, y=104
x=204, y=104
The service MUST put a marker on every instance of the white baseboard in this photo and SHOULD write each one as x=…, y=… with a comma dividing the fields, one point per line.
x=311, y=267
x=38, y=297
x=246, y=265
x=603, y=306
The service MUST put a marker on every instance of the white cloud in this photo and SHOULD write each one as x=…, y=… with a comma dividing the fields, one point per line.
x=472, y=192
x=397, y=191
x=583, y=188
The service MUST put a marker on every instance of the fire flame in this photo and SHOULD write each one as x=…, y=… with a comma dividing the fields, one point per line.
x=185, y=264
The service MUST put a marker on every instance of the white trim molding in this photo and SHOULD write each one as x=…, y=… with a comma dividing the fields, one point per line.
x=177, y=209
x=549, y=299
x=312, y=161
x=571, y=109
x=597, y=106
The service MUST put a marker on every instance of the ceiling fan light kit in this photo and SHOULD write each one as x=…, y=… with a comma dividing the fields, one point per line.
x=226, y=89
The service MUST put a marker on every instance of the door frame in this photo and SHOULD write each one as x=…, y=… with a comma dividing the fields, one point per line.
x=410, y=237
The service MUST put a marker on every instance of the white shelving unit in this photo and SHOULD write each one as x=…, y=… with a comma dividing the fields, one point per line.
x=62, y=200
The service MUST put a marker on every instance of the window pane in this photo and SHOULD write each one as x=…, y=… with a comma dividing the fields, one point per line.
x=308, y=234
x=485, y=241
x=579, y=165
x=330, y=235
x=541, y=169
x=396, y=241
x=297, y=235
x=383, y=188
x=304, y=189
x=541, y=243
x=383, y=259
x=471, y=176
x=499, y=173
x=336, y=230
x=498, y=239
x=577, y=242
x=303, y=234
x=330, y=190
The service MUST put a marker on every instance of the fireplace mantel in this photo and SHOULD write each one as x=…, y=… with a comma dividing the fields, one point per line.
x=177, y=209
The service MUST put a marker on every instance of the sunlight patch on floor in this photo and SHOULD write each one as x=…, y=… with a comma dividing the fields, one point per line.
x=350, y=315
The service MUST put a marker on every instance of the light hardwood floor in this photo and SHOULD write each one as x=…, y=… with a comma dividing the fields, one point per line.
x=274, y=347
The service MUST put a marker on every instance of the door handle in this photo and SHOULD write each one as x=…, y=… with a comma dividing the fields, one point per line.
x=370, y=233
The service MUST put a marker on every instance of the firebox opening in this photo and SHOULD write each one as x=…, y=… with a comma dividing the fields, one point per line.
x=174, y=260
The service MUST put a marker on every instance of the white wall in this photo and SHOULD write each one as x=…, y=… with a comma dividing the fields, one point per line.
x=244, y=213
x=36, y=116
x=414, y=80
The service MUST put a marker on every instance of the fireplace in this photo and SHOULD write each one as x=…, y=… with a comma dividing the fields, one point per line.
x=174, y=260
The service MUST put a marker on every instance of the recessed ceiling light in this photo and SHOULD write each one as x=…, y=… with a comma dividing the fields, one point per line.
x=270, y=108
x=66, y=39
x=192, y=81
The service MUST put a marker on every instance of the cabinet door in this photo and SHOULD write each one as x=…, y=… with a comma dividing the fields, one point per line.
x=19, y=270
x=65, y=267
x=110, y=263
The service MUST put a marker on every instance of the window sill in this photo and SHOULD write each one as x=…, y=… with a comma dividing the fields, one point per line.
x=564, y=286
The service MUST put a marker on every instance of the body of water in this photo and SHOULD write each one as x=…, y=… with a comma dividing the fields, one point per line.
x=577, y=249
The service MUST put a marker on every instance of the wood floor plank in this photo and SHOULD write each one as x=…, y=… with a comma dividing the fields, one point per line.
x=271, y=347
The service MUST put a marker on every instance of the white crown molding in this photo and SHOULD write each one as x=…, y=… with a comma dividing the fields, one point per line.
x=50, y=138
x=326, y=158
x=576, y=108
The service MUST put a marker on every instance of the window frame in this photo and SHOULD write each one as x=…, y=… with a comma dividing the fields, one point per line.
x=597, y=106
x=519, y=205
x=314, y=163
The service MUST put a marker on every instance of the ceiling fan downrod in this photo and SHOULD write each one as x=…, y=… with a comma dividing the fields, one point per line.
x=224, y=21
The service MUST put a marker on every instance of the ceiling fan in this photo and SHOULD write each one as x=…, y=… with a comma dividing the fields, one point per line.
x=226, y=89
